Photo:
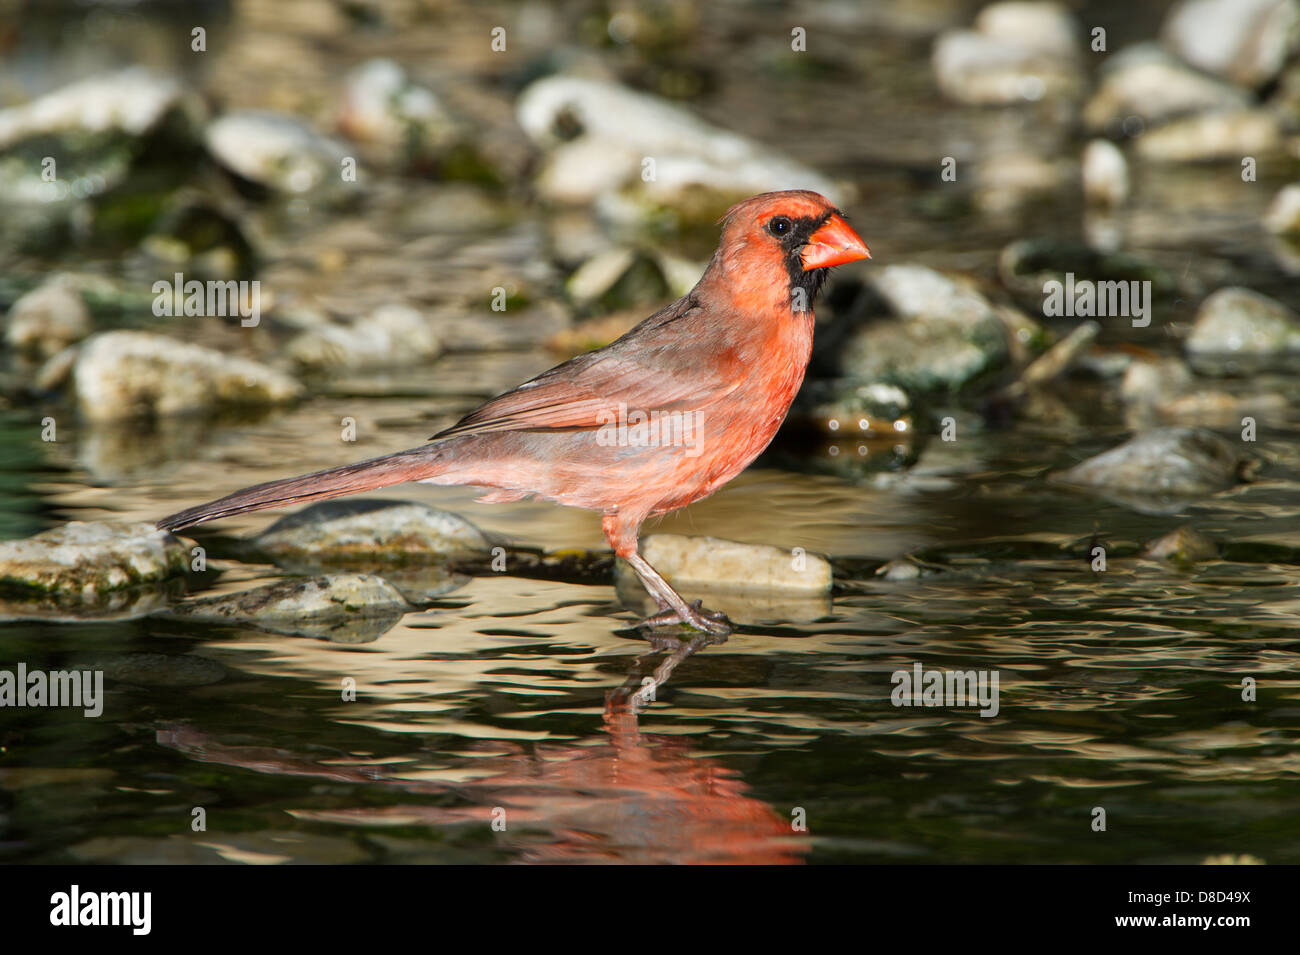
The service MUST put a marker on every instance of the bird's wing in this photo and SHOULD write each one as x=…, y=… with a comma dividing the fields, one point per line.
x=645, y=370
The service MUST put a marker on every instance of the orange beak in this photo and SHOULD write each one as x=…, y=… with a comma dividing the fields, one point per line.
x=833, y=244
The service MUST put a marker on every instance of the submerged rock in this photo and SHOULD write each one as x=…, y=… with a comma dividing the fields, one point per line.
x=370, y=529
x=392, y=335
x=600, y=135
x=1182, y=546
x=349, y=608
x=1245, y=41
x=90, y=559
x=158, y=669
x=1173, y=462
x=1241, y=322
x=47, y=319
x=689, y=562
x=1017, y=52
x=124, y=374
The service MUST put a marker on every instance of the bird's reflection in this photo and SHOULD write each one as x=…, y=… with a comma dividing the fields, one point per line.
x=619, y=796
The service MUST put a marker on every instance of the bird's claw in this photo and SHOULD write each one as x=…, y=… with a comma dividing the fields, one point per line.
x=706, y=621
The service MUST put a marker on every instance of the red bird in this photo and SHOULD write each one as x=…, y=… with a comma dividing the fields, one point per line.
x=654, y=421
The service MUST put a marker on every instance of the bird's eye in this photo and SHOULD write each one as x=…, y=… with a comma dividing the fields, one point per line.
x=779, y=226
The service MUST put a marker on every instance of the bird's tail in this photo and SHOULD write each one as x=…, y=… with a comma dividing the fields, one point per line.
x=391, y=469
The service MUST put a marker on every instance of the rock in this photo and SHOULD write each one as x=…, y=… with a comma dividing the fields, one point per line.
x=1026, y=266
x=1034, y=25
x=1222, y=409
x=597, y=278
x=1182, y=546
x=373, y=530
x=1229, y=134
x=47, y=319
x=690, y=562
x=130, y=101
x=1150, y=382
x=946, y=335
x=276, y=151
x=157, y=669
x=381, y=104
x=1017, y=52
x=1006, y=181
x=124, y=374
x=349, y=608
x=599, y=135
x=846, y=408
x=90, y=559
x=1241, y=322
x=1245, y=41
x=1283, y=213
x=925, y=352
x=898, y=570
x=1143, y=85
x=1175, y=462
x=392, y=335
x=920, y=290
x=1105, y=174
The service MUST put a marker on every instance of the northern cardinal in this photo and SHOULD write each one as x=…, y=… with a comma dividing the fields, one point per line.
x=656, y=420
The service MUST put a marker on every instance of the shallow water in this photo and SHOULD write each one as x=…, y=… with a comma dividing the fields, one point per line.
x=504, y=723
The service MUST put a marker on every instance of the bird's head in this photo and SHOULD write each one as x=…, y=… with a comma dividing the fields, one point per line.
x=788, y=238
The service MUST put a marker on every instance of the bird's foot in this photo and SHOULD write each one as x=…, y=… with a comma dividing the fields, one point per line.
x=706, y=621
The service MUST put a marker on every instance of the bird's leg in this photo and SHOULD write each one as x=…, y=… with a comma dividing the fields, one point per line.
x=621, y=532
x=673, y=607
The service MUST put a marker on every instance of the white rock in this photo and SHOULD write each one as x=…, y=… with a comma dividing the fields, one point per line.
x=1017, y=52
x=123, y=373
x=1105, y=173
x=1245, y=41
x=621, y=128
x=913, y=290
x=47, y=319
x=1239, y=321
x=1033, y=25
x=1209, y=136
x=1283, y=213
x=131, y=101
x=392, y=336
x=1146, y=83
x=381, y=104
x=274, y=150
x=709, y=562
